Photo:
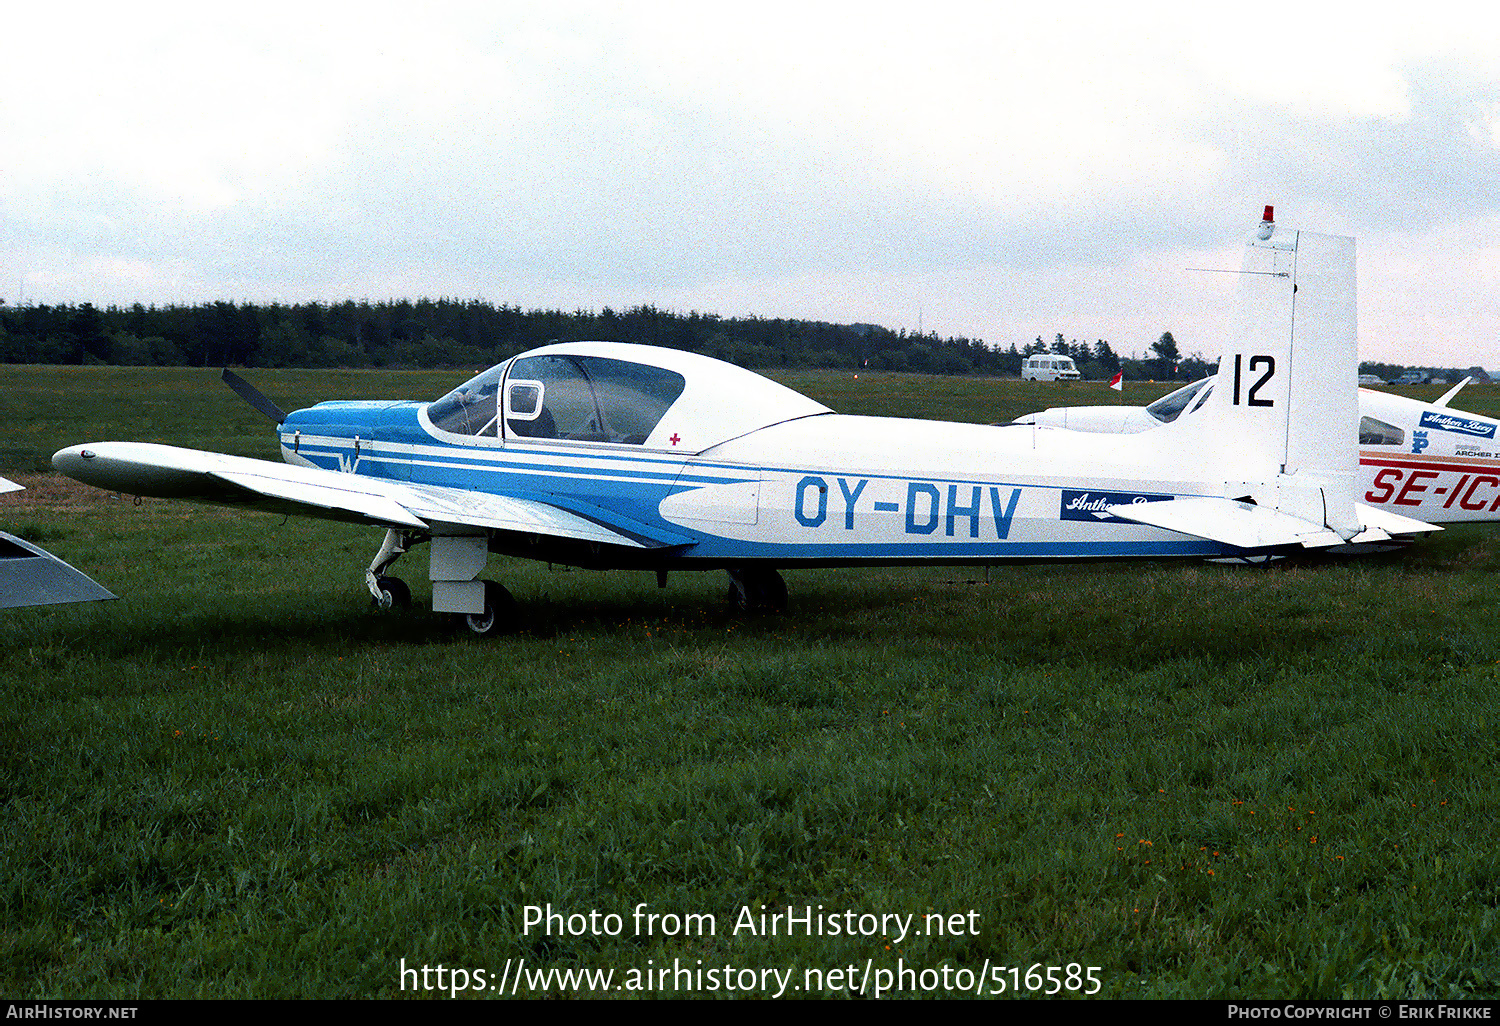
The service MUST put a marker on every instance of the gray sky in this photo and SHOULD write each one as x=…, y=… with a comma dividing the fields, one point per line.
x=996, y=175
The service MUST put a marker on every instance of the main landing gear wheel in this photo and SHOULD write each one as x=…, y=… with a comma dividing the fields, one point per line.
x=499, y=613
x=394, y=594
x=756, y=590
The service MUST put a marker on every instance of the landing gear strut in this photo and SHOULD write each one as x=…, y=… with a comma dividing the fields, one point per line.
x=756, y=590
x=390, y=592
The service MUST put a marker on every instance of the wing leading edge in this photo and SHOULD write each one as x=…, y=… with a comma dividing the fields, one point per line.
x=30, y=576
x=166, y=471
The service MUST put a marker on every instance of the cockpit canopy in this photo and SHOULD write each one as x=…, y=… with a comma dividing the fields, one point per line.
x=470, y=408
x=616, y=393
x=1172, y=405
x=580, y=398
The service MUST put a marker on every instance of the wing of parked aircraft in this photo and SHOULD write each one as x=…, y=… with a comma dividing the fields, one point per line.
x=223, y=480
x=1452, y=393
x=32, y=576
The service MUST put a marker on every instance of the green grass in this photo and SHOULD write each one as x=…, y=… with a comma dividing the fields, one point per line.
x=238, y=781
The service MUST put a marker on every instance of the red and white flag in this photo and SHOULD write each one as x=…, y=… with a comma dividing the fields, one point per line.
x=1114, y=382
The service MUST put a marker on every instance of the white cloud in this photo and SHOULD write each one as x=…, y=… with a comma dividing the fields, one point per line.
x=1000, y=171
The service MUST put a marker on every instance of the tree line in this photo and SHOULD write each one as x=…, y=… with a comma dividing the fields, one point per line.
x=1099, y=361
x=453, y=333
x=468, y=333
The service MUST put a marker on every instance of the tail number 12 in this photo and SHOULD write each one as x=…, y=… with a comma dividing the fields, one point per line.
x=1256, y=362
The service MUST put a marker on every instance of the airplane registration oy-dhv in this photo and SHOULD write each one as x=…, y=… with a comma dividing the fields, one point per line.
x=617, y=456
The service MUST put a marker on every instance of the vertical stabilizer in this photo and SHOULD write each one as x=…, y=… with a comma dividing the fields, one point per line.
x=1322, y=435
x=1252, y=406
x=1282, y=420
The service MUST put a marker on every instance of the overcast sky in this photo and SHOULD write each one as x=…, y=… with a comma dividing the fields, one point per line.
x=995, y=175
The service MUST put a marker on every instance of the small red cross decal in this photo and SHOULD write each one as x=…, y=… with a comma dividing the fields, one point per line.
x=674, y=439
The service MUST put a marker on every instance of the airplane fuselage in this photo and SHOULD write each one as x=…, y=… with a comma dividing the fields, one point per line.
x=1423, y=460
x=1440, y=465
x=823, y=489
x=606, y=455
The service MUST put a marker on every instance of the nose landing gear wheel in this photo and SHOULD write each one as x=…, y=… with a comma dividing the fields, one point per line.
x=394, y=594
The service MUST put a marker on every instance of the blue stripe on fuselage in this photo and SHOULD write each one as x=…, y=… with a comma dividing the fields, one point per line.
x=719, y=550
x=634, y=484
x=393, y=445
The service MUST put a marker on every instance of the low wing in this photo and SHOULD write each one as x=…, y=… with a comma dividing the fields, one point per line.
x=30, y=576
x=1452, y=393
x=1248, y=526
x=165, y=471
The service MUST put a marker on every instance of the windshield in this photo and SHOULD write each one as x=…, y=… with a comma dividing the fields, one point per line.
x=470, y=408
x=1170, y=406
x=1378, y=432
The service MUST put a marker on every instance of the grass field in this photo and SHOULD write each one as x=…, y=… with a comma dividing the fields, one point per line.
x=239, y=781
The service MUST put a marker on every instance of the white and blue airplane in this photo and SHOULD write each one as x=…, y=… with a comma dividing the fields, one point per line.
x=616, y=456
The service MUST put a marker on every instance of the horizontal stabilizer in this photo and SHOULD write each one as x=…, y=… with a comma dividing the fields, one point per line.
x=1248, y=526
x=1391, y=523
x=1241, y=524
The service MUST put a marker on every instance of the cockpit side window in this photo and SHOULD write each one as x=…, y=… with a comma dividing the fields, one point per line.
x=591, y=398
x=1378, y=432
x=470, y=408
x=633, y=396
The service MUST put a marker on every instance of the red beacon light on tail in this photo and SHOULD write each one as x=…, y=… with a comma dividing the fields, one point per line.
x=1267, y=224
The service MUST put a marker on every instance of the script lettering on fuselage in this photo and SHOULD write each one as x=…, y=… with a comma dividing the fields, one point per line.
x=1092, y=506
x=1443, y=421
x=923, y=507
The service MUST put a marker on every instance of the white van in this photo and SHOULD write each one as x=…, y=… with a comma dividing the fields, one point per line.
x=1048, y=367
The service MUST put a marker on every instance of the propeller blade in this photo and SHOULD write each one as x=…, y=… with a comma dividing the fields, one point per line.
x=254, y=396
